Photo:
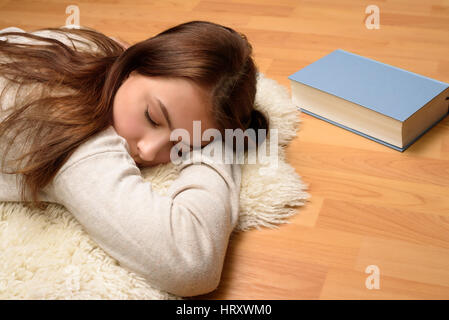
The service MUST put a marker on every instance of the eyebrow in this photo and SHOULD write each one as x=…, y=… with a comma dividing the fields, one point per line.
x=165, y=112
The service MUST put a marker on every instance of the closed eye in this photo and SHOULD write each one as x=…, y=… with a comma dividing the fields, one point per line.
x=147, y=115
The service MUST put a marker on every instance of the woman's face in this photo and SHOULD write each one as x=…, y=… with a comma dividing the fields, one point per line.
x=147, y=109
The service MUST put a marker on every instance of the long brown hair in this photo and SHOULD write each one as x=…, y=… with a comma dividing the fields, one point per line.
x=211, y=55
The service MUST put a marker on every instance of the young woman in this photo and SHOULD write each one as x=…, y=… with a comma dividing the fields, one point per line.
x=88, y=112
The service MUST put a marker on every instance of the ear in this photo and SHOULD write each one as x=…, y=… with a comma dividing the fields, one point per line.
x=131, y=74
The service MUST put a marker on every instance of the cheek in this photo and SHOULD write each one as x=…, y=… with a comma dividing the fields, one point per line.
x=163, y=155
x=125, y=122
x=121, y=114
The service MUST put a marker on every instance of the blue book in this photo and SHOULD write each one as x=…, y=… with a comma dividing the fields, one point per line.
x=381, y=102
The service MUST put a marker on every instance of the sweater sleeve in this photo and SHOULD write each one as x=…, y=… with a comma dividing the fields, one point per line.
x=177, y=241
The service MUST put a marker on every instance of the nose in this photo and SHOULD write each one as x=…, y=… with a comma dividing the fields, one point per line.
x=149, y=147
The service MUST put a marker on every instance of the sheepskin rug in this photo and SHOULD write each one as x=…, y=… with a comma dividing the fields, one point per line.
x=47, y=254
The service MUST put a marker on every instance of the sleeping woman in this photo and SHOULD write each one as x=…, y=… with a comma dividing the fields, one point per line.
x=82, y=114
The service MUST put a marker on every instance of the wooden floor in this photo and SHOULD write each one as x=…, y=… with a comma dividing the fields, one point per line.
x=370, y=205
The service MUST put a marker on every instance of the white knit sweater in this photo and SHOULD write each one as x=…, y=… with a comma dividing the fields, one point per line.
x=178, y=241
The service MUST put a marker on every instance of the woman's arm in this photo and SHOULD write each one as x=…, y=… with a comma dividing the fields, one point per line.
x=178, y=242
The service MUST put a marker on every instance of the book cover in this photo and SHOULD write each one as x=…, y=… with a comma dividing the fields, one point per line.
x=383, y=88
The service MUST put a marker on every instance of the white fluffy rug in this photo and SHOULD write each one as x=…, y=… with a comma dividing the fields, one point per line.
x=47, y=254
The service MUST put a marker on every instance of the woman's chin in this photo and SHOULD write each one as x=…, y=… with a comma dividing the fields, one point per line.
x=148, y=164
x=141, y=165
